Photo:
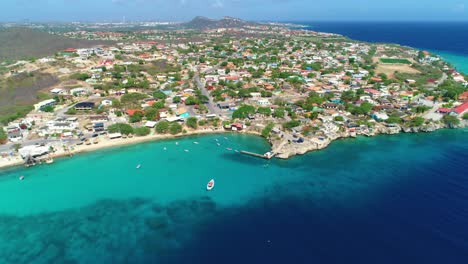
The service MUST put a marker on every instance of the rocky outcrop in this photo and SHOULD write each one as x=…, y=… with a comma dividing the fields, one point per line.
x=285, y=151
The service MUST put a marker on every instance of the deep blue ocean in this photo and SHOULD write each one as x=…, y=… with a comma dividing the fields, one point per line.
x=386, y=199
x=441, y=36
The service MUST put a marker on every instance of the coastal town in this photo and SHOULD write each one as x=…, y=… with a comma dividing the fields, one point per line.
x=299, y=89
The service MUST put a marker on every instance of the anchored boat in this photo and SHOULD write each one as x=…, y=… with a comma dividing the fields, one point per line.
x=210, y=185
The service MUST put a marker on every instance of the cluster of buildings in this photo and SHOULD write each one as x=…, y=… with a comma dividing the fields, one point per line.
x=317, y=88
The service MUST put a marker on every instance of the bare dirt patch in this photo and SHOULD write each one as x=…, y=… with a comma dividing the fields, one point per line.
x=390, y=69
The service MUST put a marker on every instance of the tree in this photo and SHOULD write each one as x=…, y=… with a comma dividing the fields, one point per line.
x=48, y=109
x=291, y=124
x=159, y=95
x=279, y=112
x=115, y=102
x=450, y=121
x=339, y=118
x=176, y=99
x=136, y=117
x=266, y=111
x=267, y=130
x=162, y=127
x=417, y=121
x=243, y=111
x=3, y=136
x=191, y=100
x=175, y=128
x=393, y=119
x=142, y=131
x=122, y=128
x=71, y=111
x=192, y=122
x=465, y=116
x=151, y=114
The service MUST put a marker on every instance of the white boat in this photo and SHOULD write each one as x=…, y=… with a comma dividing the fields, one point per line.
x=210, y=185
x=218, y=144
x=186, y=150
x=165, y=148
x=177, y=143
x=229, y=149
x=196, y=143
x=49, y=161
x=21, y=178
x=216, y=139
x=138, y=166
x=225, y=138
x=236, y=151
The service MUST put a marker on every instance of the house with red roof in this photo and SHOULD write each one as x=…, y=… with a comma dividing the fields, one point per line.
x=463, y=96
x=444, y=110
x=461, y=108
x=131, y=112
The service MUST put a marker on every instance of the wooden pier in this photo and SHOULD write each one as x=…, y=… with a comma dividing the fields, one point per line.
x=267, y=155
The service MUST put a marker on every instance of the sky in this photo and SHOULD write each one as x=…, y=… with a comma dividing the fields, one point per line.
x=254, y=10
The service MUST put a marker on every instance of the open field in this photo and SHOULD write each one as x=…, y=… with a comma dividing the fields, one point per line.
x=18, y=93
x=390, y=69
x=394, y=61
x=24, y=43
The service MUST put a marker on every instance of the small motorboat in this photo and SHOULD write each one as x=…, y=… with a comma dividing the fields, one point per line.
x=229, y=149
x=218, y=144
x=210, y=185
x=186, y=150
x=21, y=177
x=177, y=143
x=138, y=166
x=195, y=142
x=225, y=138
x=216, y=139
x=165, y=148
x=236, y=151
x=50, y=161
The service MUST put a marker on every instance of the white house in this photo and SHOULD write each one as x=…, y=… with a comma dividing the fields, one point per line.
x=106, y=102
x=263, y=102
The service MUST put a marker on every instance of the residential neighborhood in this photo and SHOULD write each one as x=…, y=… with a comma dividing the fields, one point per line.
x=299, y=89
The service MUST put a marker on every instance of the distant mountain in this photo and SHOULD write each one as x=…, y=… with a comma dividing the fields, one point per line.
x=19, y=43
x=200, y=23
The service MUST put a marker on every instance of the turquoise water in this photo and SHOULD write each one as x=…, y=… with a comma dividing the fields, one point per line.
x=98, y=208
x=460, y=62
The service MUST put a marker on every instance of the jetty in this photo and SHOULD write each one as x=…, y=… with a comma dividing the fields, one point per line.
x=267, y=155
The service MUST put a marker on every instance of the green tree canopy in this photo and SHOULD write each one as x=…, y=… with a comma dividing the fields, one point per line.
x=192, y=122
x=175, y=128
x=162, y=127
x=266, y=111
x=159, y=95
x=142, y=131
x=122, y=128
x=451, y=121
x=243, y=111
x=267, y=130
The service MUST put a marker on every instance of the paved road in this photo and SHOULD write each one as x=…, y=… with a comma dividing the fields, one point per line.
x=212, y=108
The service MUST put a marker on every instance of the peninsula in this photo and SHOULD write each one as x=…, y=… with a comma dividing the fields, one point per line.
x=298, y=89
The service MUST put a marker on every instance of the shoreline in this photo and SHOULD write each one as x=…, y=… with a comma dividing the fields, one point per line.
x=282, y=150
x=106, y=143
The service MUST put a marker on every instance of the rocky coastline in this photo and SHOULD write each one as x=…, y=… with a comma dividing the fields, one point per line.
x=287, y=150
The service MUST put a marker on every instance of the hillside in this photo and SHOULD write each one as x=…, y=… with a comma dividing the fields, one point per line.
x=200, y=23
x=21, y=43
